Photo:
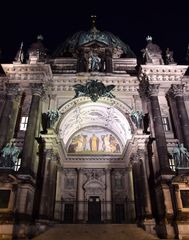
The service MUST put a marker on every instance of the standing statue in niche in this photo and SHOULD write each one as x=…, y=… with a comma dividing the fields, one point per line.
x=9, y=155
x=94, y=62
x=181, y=156
x=137, y=118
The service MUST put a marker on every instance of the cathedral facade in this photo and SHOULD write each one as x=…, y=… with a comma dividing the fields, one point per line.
x=88, y=135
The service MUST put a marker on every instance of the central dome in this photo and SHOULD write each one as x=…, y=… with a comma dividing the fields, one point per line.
x=94, y=37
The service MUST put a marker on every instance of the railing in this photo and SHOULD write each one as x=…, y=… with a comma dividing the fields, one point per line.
x=9, y=164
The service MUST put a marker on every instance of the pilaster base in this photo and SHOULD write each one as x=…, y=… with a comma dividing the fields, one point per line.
x=183, y=230
x=149, y=226
x=6, y=231
x=165, y=230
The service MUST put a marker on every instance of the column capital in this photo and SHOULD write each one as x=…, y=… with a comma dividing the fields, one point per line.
x=143, y=86
x=37, y=88
x=153, y=90
x=13, y=89
x=176, y=90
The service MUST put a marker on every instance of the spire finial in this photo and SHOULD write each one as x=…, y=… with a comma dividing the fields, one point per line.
x=93, y=19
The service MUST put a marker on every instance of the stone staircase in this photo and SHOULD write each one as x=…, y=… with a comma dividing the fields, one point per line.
x=95, y=231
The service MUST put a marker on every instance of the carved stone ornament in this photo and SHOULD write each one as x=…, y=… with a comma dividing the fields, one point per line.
x=177, y=90
x=37, y=88
x=13, y=89
x=153, y=89
x=136, y=157
x=93, y=89
x=94, y=173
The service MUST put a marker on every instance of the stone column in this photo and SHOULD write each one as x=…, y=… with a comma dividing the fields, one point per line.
x=108, y=195
x=27, y=165
x=80, y=196
x=131, y=196
x=138, y=192
x=52, y=185
x=2, y=102
x=178, y=94
x=9, y=113
x=44, y=207
x=174, y=116
x=161, y=145
x=148, y=209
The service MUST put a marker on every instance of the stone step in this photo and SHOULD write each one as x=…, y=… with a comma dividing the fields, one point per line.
x=95, y=231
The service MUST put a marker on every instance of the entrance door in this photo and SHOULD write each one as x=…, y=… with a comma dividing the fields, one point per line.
x=94, y=210
x=119, y=213
x=68, y=213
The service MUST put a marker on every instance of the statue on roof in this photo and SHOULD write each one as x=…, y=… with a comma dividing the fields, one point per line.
x=169, y=57
x=152, y=53
x=20, y=54
x=37, y=51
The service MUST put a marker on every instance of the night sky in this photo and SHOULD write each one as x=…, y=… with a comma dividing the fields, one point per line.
x=132, y=21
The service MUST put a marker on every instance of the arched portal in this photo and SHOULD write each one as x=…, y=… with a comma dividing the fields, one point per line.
x=82, y=119
x=95, y=138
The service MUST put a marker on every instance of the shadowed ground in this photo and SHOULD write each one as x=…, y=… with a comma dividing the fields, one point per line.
x=96, y=231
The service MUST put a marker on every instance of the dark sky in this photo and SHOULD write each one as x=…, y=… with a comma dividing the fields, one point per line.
x=132, y=21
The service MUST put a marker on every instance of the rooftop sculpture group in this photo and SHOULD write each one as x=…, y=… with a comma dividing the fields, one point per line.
x=93, y=89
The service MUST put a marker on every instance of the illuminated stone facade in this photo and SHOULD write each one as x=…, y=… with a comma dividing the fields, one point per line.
x=88, y=136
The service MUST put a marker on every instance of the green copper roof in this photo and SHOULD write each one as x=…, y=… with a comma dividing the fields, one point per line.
x=82, y=38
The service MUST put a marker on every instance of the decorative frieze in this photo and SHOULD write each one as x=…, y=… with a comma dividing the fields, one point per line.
x=93, y=173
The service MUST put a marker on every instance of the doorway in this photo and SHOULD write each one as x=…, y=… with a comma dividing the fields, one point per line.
x=94, y=209
x=119, y=213
x=68, y=213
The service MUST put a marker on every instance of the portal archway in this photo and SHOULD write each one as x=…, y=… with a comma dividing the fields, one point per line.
x=82, y=120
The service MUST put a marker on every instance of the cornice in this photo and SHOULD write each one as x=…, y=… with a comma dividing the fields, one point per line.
x=162, y=73
x=28, y=72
